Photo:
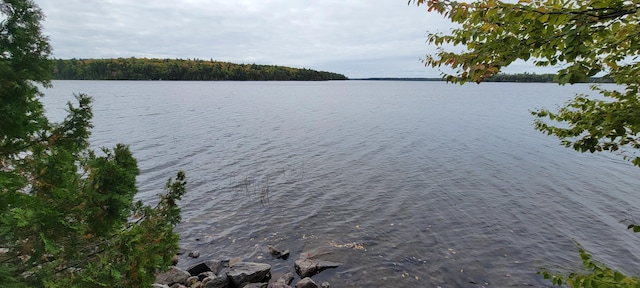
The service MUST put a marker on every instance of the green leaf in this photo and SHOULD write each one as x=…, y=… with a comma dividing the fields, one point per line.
x=49, y=246
x=544, y=18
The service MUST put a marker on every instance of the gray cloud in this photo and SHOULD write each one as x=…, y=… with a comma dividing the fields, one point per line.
x=374, y=38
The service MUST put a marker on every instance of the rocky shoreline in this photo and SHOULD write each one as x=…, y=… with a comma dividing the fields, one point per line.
x=235, y=273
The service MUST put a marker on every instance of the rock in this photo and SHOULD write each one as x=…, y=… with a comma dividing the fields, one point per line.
x=287, y=278
x=158, y=285
x=275, y=252
x=204, y=275
x=256, y=285
x=178, y=285
x=247, y=272
x=325, y=285
x=174, y=260
x=191, y=280
x=284, y=255
x=194, y=254
x=234, y=261
x=207, y=279
x=306, y=283
x=216, y=282
x=173, y=275
x=207, y=266
x=278, y=285
x=310, y=267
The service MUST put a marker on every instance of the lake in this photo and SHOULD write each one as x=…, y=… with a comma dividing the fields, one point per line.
x=408, y=184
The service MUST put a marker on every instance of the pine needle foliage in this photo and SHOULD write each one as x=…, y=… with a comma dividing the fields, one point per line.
x=67, y=214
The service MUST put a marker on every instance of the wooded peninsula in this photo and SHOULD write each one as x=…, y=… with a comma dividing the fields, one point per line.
x=180, y=69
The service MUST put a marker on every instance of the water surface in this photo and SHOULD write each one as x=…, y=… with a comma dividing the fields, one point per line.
x=442, y=185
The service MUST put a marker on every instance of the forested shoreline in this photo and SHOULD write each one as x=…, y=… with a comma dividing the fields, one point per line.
x=181, y=69
x=210, y=70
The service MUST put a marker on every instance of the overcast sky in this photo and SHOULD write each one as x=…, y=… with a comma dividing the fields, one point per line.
x=357, y=38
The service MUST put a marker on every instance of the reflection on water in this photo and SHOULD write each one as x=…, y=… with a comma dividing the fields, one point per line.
x=435, y=184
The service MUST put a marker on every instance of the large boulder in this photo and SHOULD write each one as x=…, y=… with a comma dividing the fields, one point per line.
x=248, y=272
x=309, y=267
x=172, y=276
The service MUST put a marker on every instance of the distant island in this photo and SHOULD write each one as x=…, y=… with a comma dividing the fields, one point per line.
x=180, y=69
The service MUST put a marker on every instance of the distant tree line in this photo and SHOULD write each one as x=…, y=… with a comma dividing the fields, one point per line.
x=180, y=69
x=501, y=77
x=539, y=78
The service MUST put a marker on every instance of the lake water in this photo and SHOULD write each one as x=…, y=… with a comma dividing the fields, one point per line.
x=442, y=185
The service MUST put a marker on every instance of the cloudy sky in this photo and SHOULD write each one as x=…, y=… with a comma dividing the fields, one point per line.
x=358, y=38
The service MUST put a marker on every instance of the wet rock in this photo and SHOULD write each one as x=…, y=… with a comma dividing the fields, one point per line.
x=172, y=276
x=306, y=283
x=194, y=254
x=157, y=285
x=284, y=255
x=325, y=285
x=178, y=285
x=234, y=261
x=310, y=267
x=216, y=282
x=275, y=252
x=207, y=266
x=247, y=272
x=287, y=278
